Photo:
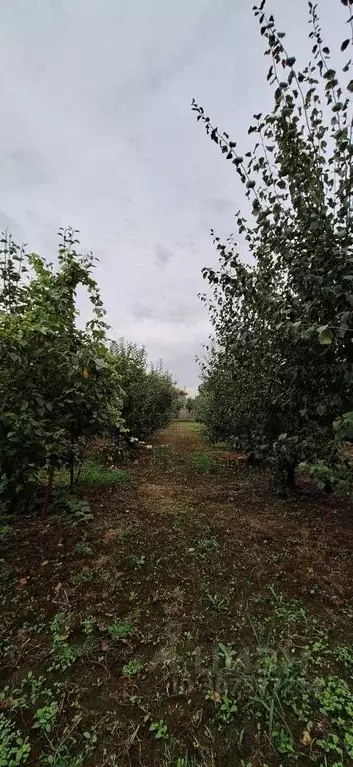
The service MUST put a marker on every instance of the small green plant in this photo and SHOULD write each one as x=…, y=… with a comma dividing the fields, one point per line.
x=45, y=717
x=29, y=692
x=345, y=654
x=159, y=729
x=204, y=463
x=79, y=510
x=119, y=629
x=35, y=686
x=331, y=745
x=283, y=742
x=62, y=758
x=14, y=747
x=227, y=654
x=88, y=625
x=64, y=654
x=6, y=532
x=82, y=549
x=336, y=700
x=133, y=668
x=75, y=510
x=84, y=576
x=287, y=610
x=217, y=602
x=226, y=708
x=139, y=561
x=164, y=457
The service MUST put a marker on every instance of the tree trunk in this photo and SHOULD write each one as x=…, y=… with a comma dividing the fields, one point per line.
x=78, y=473
x=72, y=463
x=291, y=477
x=290, y=480
x=72, y=477
x=47, y=497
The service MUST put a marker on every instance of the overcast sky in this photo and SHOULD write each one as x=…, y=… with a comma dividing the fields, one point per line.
x=96, y=132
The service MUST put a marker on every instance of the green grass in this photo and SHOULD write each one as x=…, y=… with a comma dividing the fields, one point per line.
x=165, y=457
x=203, y=463
x=183, y=639
x=94, y=474
x=6, y=532
x=193, y=426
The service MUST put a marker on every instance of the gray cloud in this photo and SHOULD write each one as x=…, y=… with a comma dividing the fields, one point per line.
x=10, y=224
x=180, y=314
x=220, y=206
x=142, y=312
x=27, y=162
x=163, y=255
x=97, y=132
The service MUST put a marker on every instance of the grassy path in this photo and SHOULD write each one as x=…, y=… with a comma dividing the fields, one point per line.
x=196, y=620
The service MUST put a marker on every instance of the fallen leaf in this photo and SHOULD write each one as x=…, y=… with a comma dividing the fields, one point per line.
x=58, y=587
x=216, y=697
x=22, y=582
x=46, y=562
x=104, y=645
x=306, y=738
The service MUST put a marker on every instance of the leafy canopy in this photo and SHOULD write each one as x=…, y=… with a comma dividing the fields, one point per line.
x=279, y=370
x=57, y=382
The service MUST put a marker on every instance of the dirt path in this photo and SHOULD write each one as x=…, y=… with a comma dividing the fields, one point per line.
x=129, y=612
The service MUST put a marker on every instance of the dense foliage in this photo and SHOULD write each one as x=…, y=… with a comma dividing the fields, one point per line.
x=190, y=405
x=150, y=398
x=280, y=368
x=58, y=383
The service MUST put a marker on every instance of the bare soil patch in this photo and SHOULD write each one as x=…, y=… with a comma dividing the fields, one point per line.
x=124, y=617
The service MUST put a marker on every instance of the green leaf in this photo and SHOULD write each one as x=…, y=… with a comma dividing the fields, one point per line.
x=325, y=336
x=330, y=74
